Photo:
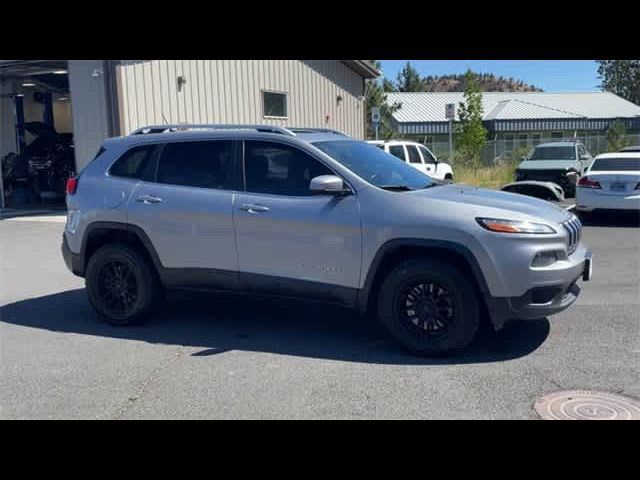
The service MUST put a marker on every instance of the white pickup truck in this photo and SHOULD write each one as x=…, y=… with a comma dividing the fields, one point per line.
x=418, y=156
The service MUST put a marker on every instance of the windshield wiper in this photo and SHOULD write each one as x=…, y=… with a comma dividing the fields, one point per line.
x=396, y=188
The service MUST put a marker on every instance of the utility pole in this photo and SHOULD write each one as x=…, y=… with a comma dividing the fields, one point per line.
x=450, y=114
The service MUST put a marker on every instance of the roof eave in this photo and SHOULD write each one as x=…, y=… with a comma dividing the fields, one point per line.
x=362, y=67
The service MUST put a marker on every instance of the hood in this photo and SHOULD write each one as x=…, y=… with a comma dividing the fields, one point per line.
x=546, y=164
x=481, y=201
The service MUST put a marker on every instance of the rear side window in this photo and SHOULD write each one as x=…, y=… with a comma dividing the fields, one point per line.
x=397, y=151
x=133, y=162
x=196, y=164
x=622, y=164
x=414, y=156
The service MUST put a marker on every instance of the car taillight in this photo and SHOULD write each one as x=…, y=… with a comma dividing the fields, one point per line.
x=586, y=182
x=72, y=185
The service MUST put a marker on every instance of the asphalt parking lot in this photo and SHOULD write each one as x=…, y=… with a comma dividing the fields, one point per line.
x=206, y=356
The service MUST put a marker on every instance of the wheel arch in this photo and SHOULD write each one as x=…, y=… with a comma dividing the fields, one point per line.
x=98, y=234
x=395, y=251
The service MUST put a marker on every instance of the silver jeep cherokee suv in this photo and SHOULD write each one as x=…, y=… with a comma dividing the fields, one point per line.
x=313, y=213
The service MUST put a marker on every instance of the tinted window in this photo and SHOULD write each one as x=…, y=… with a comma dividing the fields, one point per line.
x=274, y=104
x=397, y=151
x=426, y=154
x=374, y=166
x=616, y=164
x=553, y=153
x=133, y=162
x=196, y=164
x=280, y=169
x=414, y=156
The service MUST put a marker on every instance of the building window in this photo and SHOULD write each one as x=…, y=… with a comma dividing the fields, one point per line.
x=508, y=142
x=522, y=140
x=556, y=135
x=536, y=138
x=274, y=104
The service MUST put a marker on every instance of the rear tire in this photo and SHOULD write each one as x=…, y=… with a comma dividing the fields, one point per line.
x=429, y=307
x=122, y=287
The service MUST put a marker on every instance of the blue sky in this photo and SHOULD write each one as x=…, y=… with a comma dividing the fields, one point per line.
x=550, y=75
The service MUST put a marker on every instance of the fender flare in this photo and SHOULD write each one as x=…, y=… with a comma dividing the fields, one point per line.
x=390, y=246
x=123, y=227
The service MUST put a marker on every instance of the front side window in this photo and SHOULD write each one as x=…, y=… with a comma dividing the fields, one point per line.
x=427, y=155
x=414, y=156
x=397, y=151
x=274, y=104
x=196, y=164
x=132, y=163
x=279, y=169
x=374, y=166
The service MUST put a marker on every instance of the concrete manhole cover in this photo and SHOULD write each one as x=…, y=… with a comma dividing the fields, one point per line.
x=586, y=405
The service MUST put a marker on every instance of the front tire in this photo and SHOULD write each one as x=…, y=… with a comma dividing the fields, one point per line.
x=122, y=287
x=429, y=307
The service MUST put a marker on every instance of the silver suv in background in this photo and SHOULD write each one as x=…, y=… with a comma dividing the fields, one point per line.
x=313, y=214
x=551, y=162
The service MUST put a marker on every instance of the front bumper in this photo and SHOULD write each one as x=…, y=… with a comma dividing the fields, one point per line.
x=539, y=301
x=72, y=260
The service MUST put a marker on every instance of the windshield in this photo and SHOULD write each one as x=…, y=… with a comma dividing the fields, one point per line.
x=553, y=153
x=616, y=164
x=374, y=165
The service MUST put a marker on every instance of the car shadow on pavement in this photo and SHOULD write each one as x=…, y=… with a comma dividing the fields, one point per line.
x=620, y=219
x=217, y=324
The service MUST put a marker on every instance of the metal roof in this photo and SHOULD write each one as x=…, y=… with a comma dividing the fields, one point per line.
x=423, y=107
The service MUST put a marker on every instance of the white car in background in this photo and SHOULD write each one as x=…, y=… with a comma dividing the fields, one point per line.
x=416, y=155
x=612, y=182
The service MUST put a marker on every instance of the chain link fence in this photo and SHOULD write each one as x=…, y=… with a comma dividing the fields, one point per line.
x=503, y=151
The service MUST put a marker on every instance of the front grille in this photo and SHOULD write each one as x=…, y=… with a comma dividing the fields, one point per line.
x=555, y=176
x=574, y=228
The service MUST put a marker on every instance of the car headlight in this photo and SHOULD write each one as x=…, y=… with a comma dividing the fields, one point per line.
x=514, y=226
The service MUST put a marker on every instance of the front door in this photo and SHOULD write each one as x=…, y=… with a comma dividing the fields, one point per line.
x=290, y=241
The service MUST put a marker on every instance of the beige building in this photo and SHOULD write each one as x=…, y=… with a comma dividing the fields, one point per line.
x=96, y=99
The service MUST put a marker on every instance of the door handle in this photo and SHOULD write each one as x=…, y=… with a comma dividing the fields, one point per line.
x=253, y=208
x=148, y=199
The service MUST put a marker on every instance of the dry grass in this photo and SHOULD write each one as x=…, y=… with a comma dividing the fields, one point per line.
x=486, y=177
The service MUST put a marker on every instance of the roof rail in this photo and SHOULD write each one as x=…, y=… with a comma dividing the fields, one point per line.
x=205, y=126
x=316, y=130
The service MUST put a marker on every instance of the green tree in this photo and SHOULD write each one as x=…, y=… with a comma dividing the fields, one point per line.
x=617, y=136
x=375, y=94
x=409, y=80
x=621, y=77
x=472, y=136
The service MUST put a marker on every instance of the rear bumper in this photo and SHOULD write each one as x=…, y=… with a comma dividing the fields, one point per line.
x=539, y=301
x=589, y=200
x=72, y=260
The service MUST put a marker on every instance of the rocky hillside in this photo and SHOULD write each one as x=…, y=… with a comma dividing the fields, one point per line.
x=488, y=83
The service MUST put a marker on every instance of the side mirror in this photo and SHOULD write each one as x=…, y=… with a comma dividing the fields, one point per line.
x=328, y=185
x=584, y=157
x=573, y=177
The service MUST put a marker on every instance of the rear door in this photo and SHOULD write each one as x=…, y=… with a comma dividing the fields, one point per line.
x=185, y=208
